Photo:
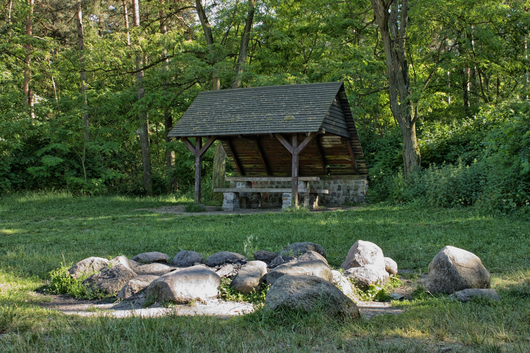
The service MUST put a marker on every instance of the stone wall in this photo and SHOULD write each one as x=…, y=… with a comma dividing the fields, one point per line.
x=343, y=190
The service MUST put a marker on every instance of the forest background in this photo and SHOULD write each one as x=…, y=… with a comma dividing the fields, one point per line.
x=89, y=90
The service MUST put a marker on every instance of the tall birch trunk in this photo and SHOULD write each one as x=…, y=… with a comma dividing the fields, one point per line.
x=142, y=117
x=126, y=19
x=392, y=18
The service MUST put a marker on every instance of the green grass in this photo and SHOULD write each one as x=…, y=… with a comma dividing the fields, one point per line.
x=38, y=232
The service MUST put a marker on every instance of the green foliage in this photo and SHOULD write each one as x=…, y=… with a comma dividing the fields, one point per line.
x=228, y=293
x=378, y=293
x=61, y=282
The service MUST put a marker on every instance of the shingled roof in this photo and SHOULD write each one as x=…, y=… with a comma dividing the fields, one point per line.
x=259, y=110
x=248, y=120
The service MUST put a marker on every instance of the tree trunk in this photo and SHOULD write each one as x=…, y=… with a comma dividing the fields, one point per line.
x=9, y=10
x=392, y=19
x=28, y=95
x=243, y=48
x=142, y=117
x=206, y=28
x=81, y=47
x=168, y=119
x=126, y=19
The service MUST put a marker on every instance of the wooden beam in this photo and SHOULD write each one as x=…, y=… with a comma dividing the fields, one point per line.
x=294, y=175
x=262, y=157
x=270, y=178
x=304, y=143
x=236, y=159
x=198, y=167
x=207, y=145
x=353, y=162
x=188, y=144
x=284, y=143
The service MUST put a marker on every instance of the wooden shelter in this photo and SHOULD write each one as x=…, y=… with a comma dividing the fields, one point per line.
x=302, y=130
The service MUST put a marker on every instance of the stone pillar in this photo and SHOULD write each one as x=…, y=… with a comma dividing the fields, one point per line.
x=230, y=201
x=244, y=197
x=286, y=200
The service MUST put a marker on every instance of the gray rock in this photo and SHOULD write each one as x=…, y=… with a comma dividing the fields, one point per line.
x=249, y=276
x=187, y=258
x=88, y=266
x=454, y=269
x=156, y=269
x=466, y=295
x=280, y=260
x=391, y=266
x=343, y=284
x=229, y=270
x=265, y=256
x=310, y=263
x=149, y=257
x=110, y=280
x=192, y=283
x=135, y=286
x=298, y=249
x=225, y=257
x=308, y=294
x=366, y=275
x=122, y=260
x=364, y=253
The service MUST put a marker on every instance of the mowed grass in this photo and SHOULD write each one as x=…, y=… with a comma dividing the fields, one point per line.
x=39, y=232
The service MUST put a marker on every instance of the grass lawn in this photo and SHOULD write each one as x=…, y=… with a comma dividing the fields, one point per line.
x=39, y=232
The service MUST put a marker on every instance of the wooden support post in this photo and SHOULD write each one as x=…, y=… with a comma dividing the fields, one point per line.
x=262, y=157
x=198, y=167
x=294, y=176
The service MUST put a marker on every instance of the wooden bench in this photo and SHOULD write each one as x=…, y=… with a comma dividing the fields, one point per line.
x=233, y=197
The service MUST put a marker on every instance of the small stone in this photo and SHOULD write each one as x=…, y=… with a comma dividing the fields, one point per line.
x=364, y=253
x=249, y=276
x=153, y=256
x=298, y=249
x=228, y=270
x=156, y=269
x=367, y=275
x=391, y=266
x=470, y=294
x=110, y=280
x=122, y=260
x=88, y=266
x=225, y=257
x=135, y=286
x=187, y=258
x=265, y=256
x=310, y=293
x=343, y=284
x=311, y=264
x=280, y=260
x=182, y=287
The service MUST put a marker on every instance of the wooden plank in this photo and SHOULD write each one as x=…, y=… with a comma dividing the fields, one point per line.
x=318, y=191
x=353, y=162
x=284, y=142
x=304, y=143
x=207, y=145
x=262, y=157
x=270, y=178
x=188, y=144
x=268, y=190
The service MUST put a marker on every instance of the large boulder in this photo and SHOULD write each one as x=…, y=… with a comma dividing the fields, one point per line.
x=88, y=266
x=122, y=260
x=111, y=280
x=136, y=285
x=225, y=257
x=189, y=284
x=155, y=268
x=364, y=253
x=454, y=269
x=297, y=249
x=249, y=276
x=149, y=257
x=310, y=263
x=308, y=294
x=187, y=258
x=265, y=256
x=364, y=276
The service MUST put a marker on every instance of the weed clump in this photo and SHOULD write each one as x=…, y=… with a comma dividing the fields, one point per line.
x=61, y=282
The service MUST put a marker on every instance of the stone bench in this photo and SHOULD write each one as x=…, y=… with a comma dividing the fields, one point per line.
x=244, y=195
